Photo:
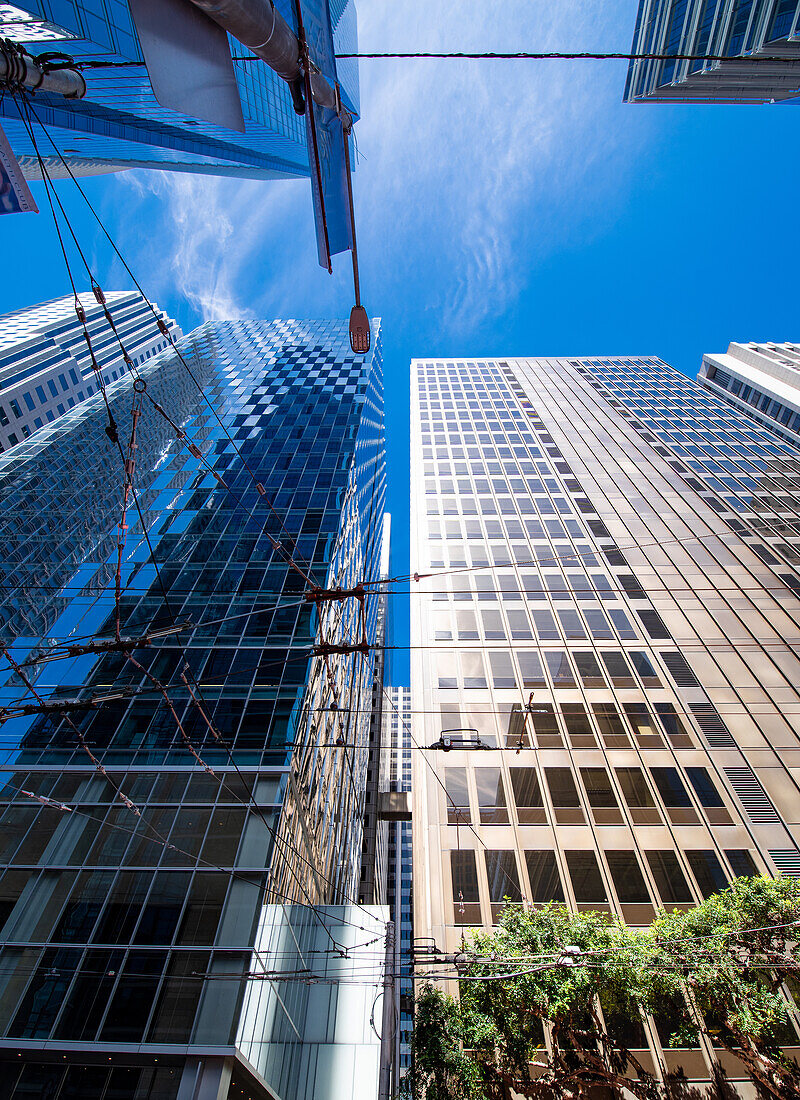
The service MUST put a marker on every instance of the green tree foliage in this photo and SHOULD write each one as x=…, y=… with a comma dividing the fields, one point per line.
x=706, y=970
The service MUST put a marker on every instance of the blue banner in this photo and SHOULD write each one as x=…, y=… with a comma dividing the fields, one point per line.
x=330, y=140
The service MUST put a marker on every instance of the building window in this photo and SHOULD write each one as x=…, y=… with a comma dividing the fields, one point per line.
x=457, y=793
x=572, y=625
x=579, y=729
x=742, y=862
x=528, y=796
x=618, y=669
x=466, y=899
x=669, y=878
x=559, y=668
x=674, y=727
x=637, y=794
x=564, y=796
x=589, y=669
x=531, y=669
x=602, y=799
x=491, y=796
x=545, y=725
x=626, y=874
x=707, y=871
x=501, y=871
x=587, y=882
x=502, y=670
x=642, y=664
x=544, y=877
x=645, y=732
x=613, y=731
x=474, y=670
x=674, y=796
x=446, y=665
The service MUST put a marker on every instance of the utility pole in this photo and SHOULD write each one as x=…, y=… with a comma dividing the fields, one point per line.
x=387, y=1028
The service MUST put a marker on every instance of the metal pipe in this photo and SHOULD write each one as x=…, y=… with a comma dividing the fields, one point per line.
x=18, y=68
x=258, y=25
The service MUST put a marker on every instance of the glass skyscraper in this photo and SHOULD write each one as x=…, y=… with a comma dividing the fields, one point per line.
x=761, y=30
x=121, y=125
x=45, y=365
x=178, y=820
x=609, y=602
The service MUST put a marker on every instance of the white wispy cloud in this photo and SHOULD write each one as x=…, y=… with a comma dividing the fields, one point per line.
x=468, y=170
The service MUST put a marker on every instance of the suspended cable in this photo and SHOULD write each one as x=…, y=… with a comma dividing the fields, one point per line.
x=525, y=55
x=517, y=55
x=167, y=333
x=407, y=726
x=194, y=858
x=139, y=389
x=126, y=802
x=575, y=556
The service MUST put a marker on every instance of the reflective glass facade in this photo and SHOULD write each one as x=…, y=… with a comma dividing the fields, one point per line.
x=45, y=365
x=121, y=125
x=397, y=724
x=374, y=857
x=609, y=601
x=132, y=915
x=729, y=28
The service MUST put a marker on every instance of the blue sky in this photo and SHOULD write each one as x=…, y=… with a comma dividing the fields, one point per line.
x=503, y=208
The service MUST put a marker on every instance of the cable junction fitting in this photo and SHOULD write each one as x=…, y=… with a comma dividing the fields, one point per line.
x=47, y=72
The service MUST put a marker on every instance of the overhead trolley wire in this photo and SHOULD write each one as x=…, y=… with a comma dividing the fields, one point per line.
x=492, y=567
x=129, y=486
x=15, y=709
x=167, y=333
x=361, y=971
x=515, y=55
x=576, y=556
x=555, y=55
x=193, y=858
x=440, y=781
x=499, y=567
x=130, y=805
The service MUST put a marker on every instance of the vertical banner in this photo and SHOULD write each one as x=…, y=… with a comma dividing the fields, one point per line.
x=330, y=139
x=330, y=144
x=15, y=195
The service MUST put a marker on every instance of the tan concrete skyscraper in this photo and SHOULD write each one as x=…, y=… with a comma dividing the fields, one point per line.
x=608, y=600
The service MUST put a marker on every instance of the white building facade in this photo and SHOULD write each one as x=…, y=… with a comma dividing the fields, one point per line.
x=45, y=363
x=762, y=380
